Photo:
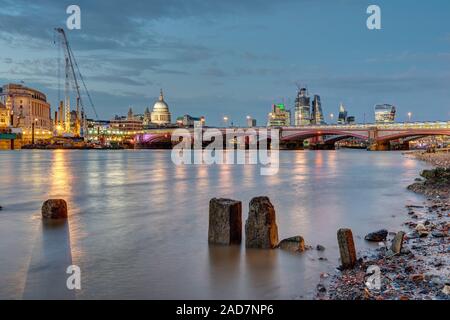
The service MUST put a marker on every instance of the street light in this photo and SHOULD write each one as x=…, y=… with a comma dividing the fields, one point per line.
x=409, y=116
x=331, y=117
x=225, y=120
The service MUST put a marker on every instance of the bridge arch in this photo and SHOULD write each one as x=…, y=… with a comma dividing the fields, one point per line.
x=303, y=135
x=412, y=135
x=334, y=139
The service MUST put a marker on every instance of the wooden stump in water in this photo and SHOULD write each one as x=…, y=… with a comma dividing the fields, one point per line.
x=261, y=230
x=346, y=248
x=54, y=209
x=225, y=221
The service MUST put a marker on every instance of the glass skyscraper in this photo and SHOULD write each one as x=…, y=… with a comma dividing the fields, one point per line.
x=317, y=114
x=302, y=111
x=342, y=119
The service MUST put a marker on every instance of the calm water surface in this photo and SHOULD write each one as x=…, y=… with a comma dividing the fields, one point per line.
x=138, y=224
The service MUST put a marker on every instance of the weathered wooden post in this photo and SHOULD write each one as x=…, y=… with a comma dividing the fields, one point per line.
x=346, y=248
x=225, y=221
x=397, y=242
x=261, y=230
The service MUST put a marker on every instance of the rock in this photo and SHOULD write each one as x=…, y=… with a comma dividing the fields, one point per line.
x=321, y=288
x=422, y=230
x=320, y=248
x=405, y=251
x=54, y=209
x=409, y=269
x=397, y=242
x=225, y=221
x=438, y=234
x=413, y=235
x=346, y=248
x=421, y=227
x=294, y=244
x=261, y=230
x=377, y=236
x=417, y=277
x=446, y=290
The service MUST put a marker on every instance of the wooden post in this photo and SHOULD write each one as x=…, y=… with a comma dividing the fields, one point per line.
x=225, y=221
x=397, y=243
x=346, y=248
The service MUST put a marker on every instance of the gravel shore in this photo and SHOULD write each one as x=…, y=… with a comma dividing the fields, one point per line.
x=422, y=269
x=439, y=159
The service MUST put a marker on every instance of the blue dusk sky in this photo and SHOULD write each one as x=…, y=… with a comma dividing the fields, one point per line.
x=236, y=57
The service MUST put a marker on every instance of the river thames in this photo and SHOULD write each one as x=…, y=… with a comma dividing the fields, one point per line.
x=138, y=224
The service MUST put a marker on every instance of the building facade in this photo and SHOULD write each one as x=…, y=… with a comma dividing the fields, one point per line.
x=384, y=113
x=189, y=121
x=302, y=110
x=127, y=125
x=279, y=117
x=5, y=117
x=30, y=110
x=251, y=122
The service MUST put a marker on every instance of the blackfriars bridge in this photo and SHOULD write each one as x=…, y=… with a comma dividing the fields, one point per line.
x=378, y=136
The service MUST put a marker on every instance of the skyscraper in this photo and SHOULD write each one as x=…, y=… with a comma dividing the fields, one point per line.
x=302, y=111
x=342, y=119
x=317, y=114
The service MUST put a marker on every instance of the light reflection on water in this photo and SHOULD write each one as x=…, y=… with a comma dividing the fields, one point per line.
x=138, y=223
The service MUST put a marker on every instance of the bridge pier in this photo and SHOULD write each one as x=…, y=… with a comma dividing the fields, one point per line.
x=292, y=145
x=380, y=146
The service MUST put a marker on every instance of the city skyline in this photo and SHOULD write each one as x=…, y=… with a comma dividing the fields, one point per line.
x=218, y=72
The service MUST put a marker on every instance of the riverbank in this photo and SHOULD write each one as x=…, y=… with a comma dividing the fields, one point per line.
x=422, y=269
x=439, y=158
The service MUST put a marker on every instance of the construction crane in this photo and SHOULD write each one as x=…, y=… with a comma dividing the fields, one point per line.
x=73, y=77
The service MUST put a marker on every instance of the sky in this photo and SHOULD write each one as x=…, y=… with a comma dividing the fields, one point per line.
x=236, y=58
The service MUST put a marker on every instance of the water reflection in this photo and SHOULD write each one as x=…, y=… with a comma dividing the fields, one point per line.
x=224, y=270
x=140, y=222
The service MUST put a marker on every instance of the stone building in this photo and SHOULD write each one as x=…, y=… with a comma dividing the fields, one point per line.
x=30, y=109
x=4, y=116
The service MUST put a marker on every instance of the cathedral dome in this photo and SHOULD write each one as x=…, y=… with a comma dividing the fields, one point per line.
x=160, y=105
x=160, y=113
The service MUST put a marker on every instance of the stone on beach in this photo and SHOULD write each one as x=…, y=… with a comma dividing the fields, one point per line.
x=225, y=221
x=295, y=244
x=54, y=209
x=346, y=248
x=320, y=247
x=377, y=236
x=261, y=230
x=397, y=242
x=446, y=290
